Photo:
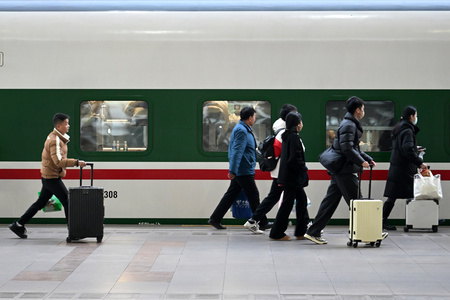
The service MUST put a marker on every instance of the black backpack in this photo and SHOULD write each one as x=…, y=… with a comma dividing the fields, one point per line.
x=266, y=153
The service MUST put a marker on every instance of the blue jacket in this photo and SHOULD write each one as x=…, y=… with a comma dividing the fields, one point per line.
x=242, y=150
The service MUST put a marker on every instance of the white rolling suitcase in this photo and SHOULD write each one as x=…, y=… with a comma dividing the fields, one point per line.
x=366, y=219
x=422, y=214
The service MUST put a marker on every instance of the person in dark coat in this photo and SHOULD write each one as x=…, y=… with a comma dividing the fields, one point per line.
x=293, y=177
x=405, y=161
x=344, y=183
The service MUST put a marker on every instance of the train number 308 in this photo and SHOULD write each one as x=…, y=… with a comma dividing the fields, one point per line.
x=110, y=194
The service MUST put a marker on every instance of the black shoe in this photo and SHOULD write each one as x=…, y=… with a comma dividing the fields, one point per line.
x=20, y=231
x=389, y=227
x=215, y=224
x=266, y=226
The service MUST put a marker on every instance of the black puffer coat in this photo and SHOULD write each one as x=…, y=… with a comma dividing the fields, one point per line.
x=293, y=170
x=346, y=142
x=404, y=161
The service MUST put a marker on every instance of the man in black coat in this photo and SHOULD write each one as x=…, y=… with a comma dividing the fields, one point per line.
x=345, y=182
x=405, y=161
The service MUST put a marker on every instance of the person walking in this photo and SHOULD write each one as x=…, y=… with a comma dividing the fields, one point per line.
x=258, y=221
x=345, y=182
x=242, y=162
x=293, y=178
x=404, y=162
x=53, y=169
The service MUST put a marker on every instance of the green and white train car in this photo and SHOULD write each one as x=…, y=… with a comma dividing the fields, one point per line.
x=154, y=92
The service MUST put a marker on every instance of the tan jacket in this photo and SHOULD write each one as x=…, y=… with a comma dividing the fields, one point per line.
x=54, y=156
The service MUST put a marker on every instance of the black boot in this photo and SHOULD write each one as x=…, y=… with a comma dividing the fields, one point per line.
x=386, y=226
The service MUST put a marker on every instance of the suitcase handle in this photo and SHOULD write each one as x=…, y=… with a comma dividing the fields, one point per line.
x=370, y=182
x=92, y=174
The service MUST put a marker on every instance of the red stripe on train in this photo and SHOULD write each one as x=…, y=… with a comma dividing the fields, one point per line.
x=176, y=174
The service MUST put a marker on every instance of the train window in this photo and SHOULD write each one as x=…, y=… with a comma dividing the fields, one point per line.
x=220, y=117
x=377, y=123
x=107, y=126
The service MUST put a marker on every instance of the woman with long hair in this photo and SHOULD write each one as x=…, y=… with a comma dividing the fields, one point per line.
x=293, y=177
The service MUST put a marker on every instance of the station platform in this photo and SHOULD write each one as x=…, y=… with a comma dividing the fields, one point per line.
x=200, y=262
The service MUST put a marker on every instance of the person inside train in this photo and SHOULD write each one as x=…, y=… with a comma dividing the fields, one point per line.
x=242, y=162
x=404, y=162
x=258, y=222
x=293, y=178
x=53, y=169
x=345, y=182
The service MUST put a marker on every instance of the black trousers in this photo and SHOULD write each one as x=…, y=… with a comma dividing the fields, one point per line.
x=282, y=219
x=268, y=203
x=50, y=187
x=238, y=183
x=387, y=208
x=345, y=185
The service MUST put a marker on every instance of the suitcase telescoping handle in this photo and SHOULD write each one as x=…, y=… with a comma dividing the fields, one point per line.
x=92, y=174
x=370, y=183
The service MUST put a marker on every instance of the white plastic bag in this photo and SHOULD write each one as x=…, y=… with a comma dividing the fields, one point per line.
x=427, y=187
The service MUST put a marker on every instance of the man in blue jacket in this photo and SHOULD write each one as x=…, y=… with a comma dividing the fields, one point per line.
x=242, y=157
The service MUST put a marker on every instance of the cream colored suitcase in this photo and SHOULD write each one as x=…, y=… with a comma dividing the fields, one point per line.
x=422, y=214
x=366, y=222
x=366, y=219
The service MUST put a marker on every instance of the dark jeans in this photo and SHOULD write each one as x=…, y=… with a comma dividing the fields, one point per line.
x=50, y=187
x=238, y=183
x=282, y=219
x=268, y=203
x=341, y=185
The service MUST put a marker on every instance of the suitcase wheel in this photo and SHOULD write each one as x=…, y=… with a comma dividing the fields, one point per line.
x=355, y=245
x=68, y=239
x=377, y=244
x=99, y=239
x=349, y=243
x=434, y=228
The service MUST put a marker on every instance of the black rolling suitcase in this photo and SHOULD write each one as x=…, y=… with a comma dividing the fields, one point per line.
x=86, y=210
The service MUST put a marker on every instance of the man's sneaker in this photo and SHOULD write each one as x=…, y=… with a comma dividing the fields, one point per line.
x=309, y=225
x=384, y=235
x=315, y=239
x=20, y=231
x=253, y=226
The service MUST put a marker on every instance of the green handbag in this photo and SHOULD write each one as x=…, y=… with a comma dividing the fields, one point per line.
x=53, y=204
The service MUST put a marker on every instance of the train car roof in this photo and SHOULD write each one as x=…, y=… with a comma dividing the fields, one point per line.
x=225, y=5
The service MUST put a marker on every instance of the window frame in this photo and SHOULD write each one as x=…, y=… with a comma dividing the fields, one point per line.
x=224, y=154
x=107, y=154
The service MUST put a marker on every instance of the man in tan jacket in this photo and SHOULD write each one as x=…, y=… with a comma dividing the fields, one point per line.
x=53, y=169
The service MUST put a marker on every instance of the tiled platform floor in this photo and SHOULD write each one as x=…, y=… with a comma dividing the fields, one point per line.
x=200, y=262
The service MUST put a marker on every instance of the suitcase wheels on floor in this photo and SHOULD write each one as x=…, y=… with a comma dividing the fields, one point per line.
x=69, y=239
x=351, y=243
x=434, y=228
